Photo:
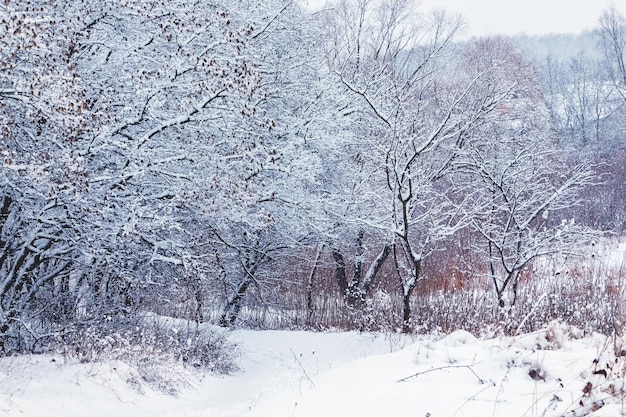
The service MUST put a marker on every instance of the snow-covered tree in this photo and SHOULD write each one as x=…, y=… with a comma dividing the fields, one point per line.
x=42, y=117
x=411, y=115
x=612, y=32
x=201, y=122
x=523, y=180
x=579, y=98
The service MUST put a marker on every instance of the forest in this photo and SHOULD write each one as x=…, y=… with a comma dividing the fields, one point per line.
x=254, y=164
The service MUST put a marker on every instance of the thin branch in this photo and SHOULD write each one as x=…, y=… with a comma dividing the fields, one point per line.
x=440, y=368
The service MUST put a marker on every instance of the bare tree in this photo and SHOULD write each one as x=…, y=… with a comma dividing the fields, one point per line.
x=613, y=36
x=523, y=181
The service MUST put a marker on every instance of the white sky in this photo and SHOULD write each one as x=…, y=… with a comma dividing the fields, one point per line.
x=533, y=17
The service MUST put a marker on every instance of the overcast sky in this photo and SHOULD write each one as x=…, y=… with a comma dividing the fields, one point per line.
x=533, y=17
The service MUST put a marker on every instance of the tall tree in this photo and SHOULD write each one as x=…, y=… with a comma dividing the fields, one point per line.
x=42, y=117
x=411, y=118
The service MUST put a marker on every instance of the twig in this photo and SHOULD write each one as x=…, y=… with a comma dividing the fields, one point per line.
x=504, y=379
x=473, y=397
x=480, y=380
x=302, y=368
x=532, y=310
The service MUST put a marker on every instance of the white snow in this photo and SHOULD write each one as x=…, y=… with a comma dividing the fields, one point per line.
x=296, y=373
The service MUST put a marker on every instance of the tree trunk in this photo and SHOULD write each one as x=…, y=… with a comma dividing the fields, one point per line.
x=340, y=271
x=406, y=313
x=230, y=310
x=232, y=305
x=374, y=268
x=358, y=261
x=407, y=290
x=513, y=278
x=407, y=285
x=309, y=287
x=199, y=304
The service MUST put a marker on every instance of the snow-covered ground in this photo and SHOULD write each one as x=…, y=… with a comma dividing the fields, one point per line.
x=302, y=374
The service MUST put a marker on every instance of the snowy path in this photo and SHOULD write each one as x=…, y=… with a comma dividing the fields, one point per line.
x=271, y=362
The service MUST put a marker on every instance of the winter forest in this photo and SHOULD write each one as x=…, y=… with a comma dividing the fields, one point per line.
x=257, y=165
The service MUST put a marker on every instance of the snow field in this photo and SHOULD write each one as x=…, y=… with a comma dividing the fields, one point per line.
x=299, y=374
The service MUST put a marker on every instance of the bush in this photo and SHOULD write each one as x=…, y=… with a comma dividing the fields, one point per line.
x=153, y=345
